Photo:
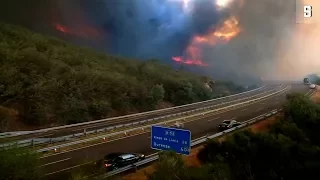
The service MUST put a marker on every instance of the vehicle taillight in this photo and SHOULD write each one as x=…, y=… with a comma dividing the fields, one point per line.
x=107, y=165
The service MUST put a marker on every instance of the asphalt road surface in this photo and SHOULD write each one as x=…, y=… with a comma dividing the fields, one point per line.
x=141, y=117
x=66, y=161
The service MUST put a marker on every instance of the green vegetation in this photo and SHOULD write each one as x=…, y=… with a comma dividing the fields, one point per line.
x=18, y=164
x=290, y=150
x=50, y=82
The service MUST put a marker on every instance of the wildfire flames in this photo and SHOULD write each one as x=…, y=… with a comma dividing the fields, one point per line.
x=84, y=32
x=222, y=34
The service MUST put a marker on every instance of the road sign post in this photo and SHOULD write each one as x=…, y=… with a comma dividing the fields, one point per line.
x=164, y=138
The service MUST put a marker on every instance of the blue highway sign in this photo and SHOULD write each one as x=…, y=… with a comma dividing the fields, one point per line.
x=164, y=138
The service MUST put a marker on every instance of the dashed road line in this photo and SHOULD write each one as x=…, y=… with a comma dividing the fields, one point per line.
x=214, y=119
x=55, y=162
x=68, y=168
x=259, y=109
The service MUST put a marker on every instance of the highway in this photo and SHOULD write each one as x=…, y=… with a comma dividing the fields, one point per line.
x=207, y=124
x=59, y=131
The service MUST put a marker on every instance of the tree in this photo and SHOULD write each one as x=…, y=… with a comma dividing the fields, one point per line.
x=305, y=114
x=169, y=167
x=157, y=93
x=5, y=118
x=18, y=164
x=172, y=167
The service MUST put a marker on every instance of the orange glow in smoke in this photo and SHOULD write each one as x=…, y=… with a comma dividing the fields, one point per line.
x=85, y=32
x=222, y=34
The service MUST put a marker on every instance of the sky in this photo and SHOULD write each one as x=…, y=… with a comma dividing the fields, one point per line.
x=240, y=40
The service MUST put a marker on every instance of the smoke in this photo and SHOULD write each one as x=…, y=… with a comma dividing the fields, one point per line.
x=299, y=54
x=272, y=45
x=266, y=41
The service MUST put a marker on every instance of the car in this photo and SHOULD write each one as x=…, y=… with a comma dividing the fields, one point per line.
x=114, y=161
x=228, y=124
x=312, y=86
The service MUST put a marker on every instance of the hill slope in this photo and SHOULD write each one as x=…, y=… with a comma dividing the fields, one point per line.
x=50, y=82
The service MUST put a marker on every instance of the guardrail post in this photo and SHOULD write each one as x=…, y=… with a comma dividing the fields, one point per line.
x=32, y=142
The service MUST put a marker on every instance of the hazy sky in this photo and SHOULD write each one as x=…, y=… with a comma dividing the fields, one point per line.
x=266, y=41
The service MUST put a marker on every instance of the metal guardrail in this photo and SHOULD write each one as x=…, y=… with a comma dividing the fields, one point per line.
x=19, y=133
x=195, y=142
x=148, y=126
x=153, y=157
x=38, y=141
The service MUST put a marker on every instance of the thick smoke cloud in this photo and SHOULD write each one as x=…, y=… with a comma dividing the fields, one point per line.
x=164, y=28
x=272, y=45
x=139, y=28
x=265, y=25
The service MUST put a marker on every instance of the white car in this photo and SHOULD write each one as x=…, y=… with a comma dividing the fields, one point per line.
x=177, y=125
x=312, y=86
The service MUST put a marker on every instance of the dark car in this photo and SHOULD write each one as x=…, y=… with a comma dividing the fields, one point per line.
x=117, y=160
x=228, y=124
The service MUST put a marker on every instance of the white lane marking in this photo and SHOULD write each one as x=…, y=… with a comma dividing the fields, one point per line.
x=68, y=168
x=55, y=162
x=214, y=119
x=244, y=109
x=46, y=135
x=259, y=109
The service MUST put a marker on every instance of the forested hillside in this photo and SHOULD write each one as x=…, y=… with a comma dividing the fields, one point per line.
x=46, y=81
